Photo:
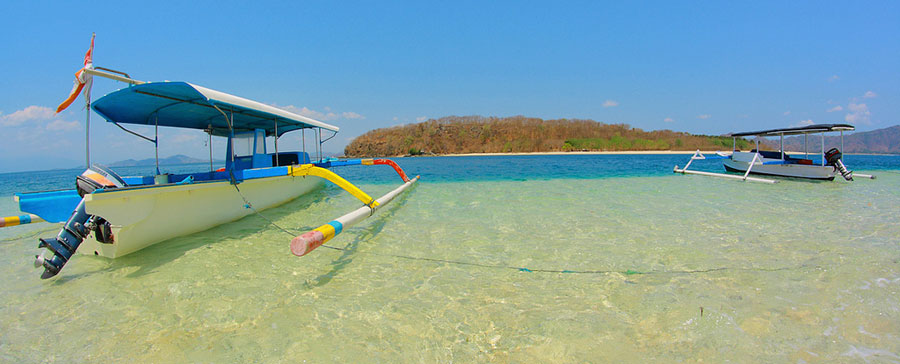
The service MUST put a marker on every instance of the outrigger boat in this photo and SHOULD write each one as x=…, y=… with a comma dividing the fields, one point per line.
x=780, y=163
x=111, y=216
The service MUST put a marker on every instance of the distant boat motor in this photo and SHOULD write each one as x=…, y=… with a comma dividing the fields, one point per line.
x=833, y=157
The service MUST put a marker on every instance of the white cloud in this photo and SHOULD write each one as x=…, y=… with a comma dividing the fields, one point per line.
x=786, y=113
x=803, y=123
x=323, y=116
x=31, y=113
x=610, y=103
x=870, y=95
x=33, y=121
x=704, y=116
x=833, y=78
x=396, y=118
x=836, y=108
x=859, y=113
x=668, y=120
x=421, y=118
x=351, y=115
x=327, y=115
x=62, y=125
x=181, y=138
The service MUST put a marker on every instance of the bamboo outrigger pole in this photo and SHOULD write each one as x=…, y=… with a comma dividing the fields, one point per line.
x=19, y=220
x=303, y=244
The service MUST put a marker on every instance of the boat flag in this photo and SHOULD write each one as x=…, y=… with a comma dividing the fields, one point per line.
x=81, y=79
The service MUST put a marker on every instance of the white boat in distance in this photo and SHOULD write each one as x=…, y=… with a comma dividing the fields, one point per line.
x=111, y=216
x=780, y=163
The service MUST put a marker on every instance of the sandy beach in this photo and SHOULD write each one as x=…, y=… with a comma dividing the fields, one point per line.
x=630, y=152
x=579, y=153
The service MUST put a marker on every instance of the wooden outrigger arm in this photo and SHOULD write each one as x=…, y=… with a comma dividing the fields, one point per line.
x=697, y=155
x=311, y=170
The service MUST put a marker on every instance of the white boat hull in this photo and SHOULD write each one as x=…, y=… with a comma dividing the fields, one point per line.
x=145, y=216
x=740, y=161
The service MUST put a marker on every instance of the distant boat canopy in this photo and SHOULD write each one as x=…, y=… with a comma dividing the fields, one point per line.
x=809, y=129
x=184, y=105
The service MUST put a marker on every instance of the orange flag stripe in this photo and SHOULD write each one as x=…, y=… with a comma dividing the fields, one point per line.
x=76, y=90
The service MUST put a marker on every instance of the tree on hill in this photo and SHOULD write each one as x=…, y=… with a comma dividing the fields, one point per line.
x=520, y=134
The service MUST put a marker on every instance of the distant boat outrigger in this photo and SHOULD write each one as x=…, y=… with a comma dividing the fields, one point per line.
x=112, y=216
x=780, y=163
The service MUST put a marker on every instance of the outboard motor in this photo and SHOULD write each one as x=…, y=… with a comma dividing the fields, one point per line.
x=833, y=157
x=80, y=224
x=63, y=246
x=97, y=177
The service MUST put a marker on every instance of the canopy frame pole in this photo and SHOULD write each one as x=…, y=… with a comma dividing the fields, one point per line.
x=156, y=142
x=276, y=143
x=806, y=145
x=230, y=134
x=334, y=133
x=842, y=140
x=782, y=146
x=303, y=141
x=318, y=144
x=209, y=141
x=95, y=71
x=823, y=149
x=132, y=133
x=733, y=144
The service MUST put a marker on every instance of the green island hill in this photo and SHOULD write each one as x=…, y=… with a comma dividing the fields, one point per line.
x=520, y=134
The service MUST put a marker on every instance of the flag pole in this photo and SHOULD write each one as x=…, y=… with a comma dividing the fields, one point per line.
x=87, y=132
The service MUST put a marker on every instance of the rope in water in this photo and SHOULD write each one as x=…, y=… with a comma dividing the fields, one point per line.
x=539, y=270
x=248, y=205
x=34, y=235
x=525, y=269
x=570, y=271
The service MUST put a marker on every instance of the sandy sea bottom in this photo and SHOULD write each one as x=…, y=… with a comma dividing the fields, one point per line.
x=672, y=268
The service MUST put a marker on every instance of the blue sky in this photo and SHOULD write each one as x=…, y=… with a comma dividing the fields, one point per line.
x=700, y=67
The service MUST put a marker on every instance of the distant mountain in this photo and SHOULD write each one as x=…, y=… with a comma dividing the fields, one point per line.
x=175, y=159
x=880, y=141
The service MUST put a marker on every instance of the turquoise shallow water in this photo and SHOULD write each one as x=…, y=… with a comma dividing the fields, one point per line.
x=659, y=267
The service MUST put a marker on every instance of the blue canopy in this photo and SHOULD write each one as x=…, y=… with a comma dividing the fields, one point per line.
x=183, y=105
